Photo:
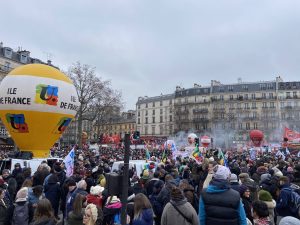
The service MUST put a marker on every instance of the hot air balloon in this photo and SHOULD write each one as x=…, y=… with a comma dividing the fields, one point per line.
x=37, y=103
x=256, y=137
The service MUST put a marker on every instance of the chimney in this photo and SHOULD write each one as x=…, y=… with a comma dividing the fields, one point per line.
x=49, y=62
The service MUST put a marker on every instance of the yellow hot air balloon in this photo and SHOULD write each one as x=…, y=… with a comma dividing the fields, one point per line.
x=37, y=103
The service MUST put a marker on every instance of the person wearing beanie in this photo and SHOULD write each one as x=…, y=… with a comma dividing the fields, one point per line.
x=289, y=220
x=245, y=196
x=245, y=180
x=52, y=192
x=21, y=202
x=234, y=183
x=179, y=211
x=220, y=204
x=266, y=197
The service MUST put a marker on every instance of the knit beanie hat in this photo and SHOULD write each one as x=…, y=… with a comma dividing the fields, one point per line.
x=176, y=194
x=289, y=220
x=243, y=189
x=265, y=196
x=265, y=177
x=222, y=173
x=233, y=178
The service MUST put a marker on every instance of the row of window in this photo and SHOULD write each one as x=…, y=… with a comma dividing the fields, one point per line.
x=153, y=112
x=161, y=130
x=154, y=104
x=153, y=119
x=247, y=126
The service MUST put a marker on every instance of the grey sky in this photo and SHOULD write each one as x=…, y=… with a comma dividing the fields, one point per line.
x=147, y=47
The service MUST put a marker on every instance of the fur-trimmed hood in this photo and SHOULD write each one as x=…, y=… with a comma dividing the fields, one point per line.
x=271, y=205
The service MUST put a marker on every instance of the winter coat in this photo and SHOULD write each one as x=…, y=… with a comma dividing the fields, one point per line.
x=75, y=219
x=271, y=206
x=235, y=186
x=39, y=177
x=248, y=208
x=219, y=204
x=97, y=200
x=52, y=193
x=283, y=201
x=171, y=216
x=146, y=218
x=3, y=213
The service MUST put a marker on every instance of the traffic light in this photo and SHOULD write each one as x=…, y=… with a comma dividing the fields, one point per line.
x=136, y=135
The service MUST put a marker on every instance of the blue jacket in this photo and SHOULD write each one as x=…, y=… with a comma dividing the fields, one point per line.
x=146, y=218
x=283, y=201
x=202, y=212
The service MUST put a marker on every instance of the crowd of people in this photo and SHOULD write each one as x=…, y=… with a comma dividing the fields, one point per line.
x=179, y=191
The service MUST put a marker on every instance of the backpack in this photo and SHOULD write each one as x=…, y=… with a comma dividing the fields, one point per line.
x=21, y=214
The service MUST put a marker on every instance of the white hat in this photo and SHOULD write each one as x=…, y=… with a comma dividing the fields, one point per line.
x=96, y=190
x=222, y=173
x=192, y=135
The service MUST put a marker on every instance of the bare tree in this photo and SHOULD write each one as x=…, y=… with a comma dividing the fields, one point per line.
x=96, y=96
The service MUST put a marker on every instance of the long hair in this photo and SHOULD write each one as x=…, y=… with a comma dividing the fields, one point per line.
x=78, y=203
x=43, y=211
x=141, y=202
x=27, y=183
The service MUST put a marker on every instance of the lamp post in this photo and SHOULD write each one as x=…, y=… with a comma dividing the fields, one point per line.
x=125, y=179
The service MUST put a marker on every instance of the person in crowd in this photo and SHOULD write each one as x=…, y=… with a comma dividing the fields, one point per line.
x=245, y=180
x=219, y=204
x=90, y=215
x=284, y=199
x=22, y=211
x=71, y=189
x=143, y=213
x=234, y=183
x=81, y=189
x=75, y=217
x=11, y=184
x=179, y=211
x=44, y=213
x=18, y=175
x=3, y=208
x=260, y=213
x=95, y=196
x=52, y=192
x=266, y=197
x=189, y=193
x=245, y=196
x=211, y=166
x=27, y=183
x=39, y=176
x=164, y=195
x=35, y=194
x=151, y=183
x=111, y=210
x=156, y=205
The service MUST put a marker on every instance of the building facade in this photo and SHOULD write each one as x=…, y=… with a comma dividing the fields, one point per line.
x=155, y=115
x=10, y=59
x=229, y=112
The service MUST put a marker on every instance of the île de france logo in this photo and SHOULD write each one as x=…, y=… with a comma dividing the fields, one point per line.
x=46, y=94
x=17, y=123
x=62, y=125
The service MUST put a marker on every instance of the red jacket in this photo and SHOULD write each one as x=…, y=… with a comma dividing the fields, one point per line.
x=97, y=200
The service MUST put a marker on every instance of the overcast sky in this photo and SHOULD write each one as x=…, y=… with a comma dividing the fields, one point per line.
x=147, y=47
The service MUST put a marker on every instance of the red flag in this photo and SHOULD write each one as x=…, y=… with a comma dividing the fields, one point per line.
x=290, y=134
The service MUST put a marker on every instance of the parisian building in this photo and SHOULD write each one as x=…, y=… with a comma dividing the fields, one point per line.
x=9, y=60
x=228, y=112
x=155, y=115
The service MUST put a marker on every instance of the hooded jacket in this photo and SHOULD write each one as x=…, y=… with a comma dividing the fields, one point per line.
x=271, y=206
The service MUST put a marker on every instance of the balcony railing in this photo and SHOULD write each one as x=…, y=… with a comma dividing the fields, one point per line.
x=200, y=110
